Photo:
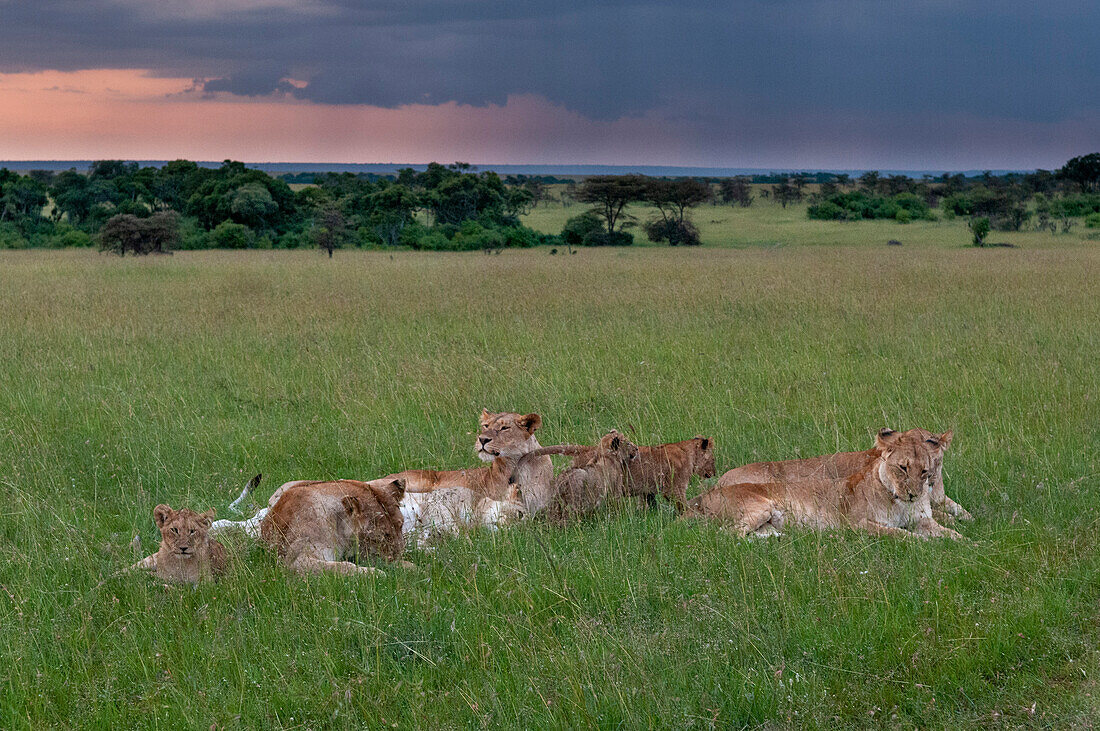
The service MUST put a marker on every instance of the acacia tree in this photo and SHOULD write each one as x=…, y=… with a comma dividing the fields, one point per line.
x=1083, y=170
x=157, y=234
x=329, y=230
x=610, y=195
x=786, y=193
x=736, y=190
x=672, y=198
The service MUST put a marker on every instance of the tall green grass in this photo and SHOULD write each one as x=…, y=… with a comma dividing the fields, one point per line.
x=125, y=383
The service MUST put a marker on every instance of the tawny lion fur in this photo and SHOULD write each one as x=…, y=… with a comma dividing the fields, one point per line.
x=186, y=553
x=884, y=490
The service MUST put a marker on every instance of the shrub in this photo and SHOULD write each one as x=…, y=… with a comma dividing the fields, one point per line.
x=1093, y=220
x=10, y=238
x=675, y=233
x=980, y=228
x=229, y=235
x=903, y=216
x=579, y=227
x=602, y=238
x=826, y=211
x=74, y=237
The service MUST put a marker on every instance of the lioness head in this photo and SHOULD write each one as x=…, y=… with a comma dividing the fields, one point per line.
x=183, y=532
x=376, y=519
x=704, y=459
x=939, y=444
x=907, y=463
x=618, y=446
x=506, y=435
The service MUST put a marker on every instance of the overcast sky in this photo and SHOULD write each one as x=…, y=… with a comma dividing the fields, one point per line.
x=767, y=83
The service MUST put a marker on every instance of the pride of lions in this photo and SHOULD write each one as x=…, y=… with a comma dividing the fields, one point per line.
x=894, y=488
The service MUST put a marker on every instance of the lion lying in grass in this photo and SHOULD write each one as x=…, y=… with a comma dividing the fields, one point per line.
x=186, y=553
x=664, y=469
x=886, y=492
x=326, y=526
x=579, y=490
x=449, y=510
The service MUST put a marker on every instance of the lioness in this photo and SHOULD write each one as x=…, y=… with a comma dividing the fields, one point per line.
x=664, y=468
x=579, y=490
x=503, y=439
x=845, y=464
x=886, y=493
x=943, y=507
x=187, y=553
x=324, y=526
x=451, y=509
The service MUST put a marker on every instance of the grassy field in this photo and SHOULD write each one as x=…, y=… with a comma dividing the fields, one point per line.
x=126, y=383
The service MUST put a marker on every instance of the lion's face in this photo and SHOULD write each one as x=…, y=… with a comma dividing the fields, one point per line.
x=618, y=446
x=183, y=532
x=939, y=444
x=907, y=464
x=704, y=459
x=506, y=435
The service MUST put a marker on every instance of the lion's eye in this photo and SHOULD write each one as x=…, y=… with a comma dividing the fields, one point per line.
x=176, y=531
x=505, y=428
x=191, y=532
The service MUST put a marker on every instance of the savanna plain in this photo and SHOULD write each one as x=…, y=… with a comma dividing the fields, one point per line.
x=130, y=382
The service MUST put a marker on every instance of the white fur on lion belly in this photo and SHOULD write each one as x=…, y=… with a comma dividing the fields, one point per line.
x=412, y=505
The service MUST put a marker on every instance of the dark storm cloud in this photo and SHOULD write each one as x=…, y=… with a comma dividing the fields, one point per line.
x=704, y=61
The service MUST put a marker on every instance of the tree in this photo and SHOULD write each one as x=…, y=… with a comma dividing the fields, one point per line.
x=125, y=232
x=392, y=209
x=610, y=195
x=672, y=198
x=979, y=226
x=786, y=193
x=736, y=190
x=252, y=205
x=329, y=230
x=1083, y=170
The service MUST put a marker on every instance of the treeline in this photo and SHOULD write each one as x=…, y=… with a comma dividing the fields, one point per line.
x=123, y=207
x=1047, y=200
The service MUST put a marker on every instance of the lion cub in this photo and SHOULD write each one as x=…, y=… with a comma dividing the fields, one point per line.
x=579, y=490
x=325, y=526
x=664, y=469
x=187, y=553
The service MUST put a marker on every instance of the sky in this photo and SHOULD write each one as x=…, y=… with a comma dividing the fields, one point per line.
x=849, y=84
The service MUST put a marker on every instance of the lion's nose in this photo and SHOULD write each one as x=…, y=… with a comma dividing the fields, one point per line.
x=484, y=440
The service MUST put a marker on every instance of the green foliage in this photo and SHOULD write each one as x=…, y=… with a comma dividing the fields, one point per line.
x=11, y=237
x=979, y=227
x=672, y=232
x=230, y=235
x=1092, y=220
x=859, y=205
x=579, y=228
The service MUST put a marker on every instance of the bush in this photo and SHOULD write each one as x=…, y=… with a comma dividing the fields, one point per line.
x=1093, y=220
x=903, y=216
x=580, y=227
x=602, y=238
x=826, y=211
x=229, y=235
x=10, y=238
x=980, y=228
x=74, y=237
x=675, y=233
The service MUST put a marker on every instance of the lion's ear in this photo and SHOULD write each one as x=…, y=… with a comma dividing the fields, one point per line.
x=615, y=442
x=945, y=439
x=485, y=416
x=161, y=514
x=885, y=438
x=254, y=482
x=704, y=443
x=351, y=505
x=208, y=516
x=396, y=488
x=530, y=423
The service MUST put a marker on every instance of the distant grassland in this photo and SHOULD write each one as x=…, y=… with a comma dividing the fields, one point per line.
x=766, y=223
x=126, y=383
